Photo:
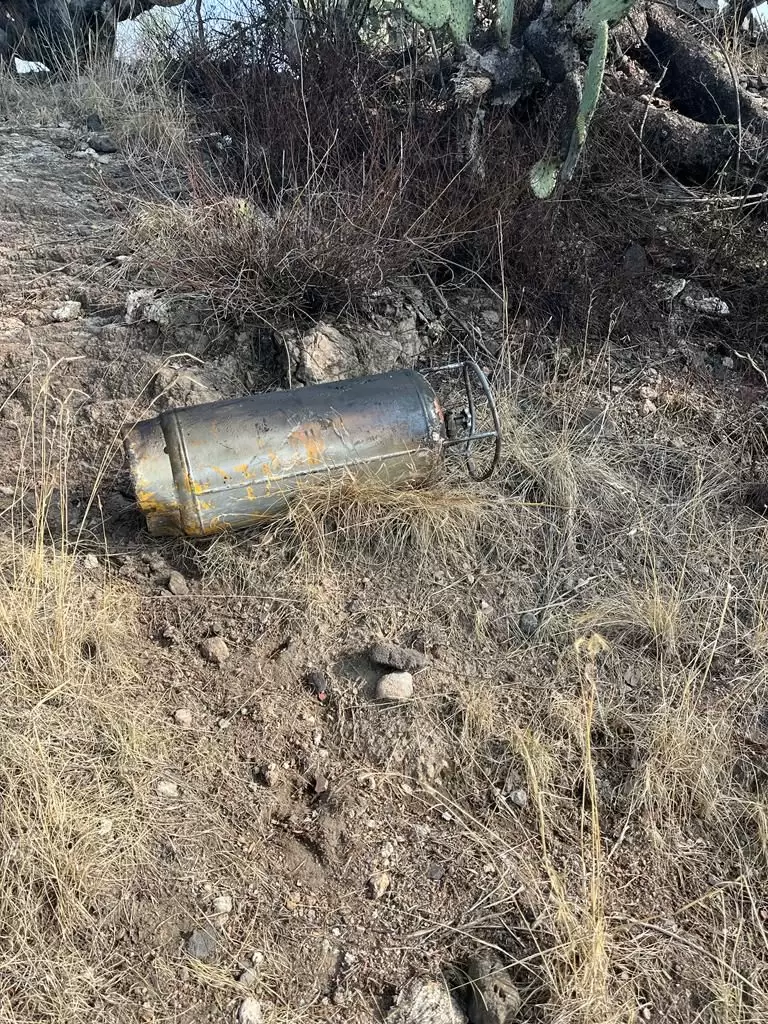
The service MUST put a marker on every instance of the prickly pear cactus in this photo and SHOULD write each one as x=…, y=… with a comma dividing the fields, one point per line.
x=458, y=15
x=593, y=83
x=505, y=16
x=605, y=10
x=546, y=174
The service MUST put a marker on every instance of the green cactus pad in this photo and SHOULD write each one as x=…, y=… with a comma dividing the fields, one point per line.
x=505, y=15
x=459, y=15
x=605, y=10
x=432, y=14
x=593, y=82
x=462, y=19
x=544, y=175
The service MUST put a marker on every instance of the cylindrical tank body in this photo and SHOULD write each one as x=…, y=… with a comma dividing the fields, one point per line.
x=224, y=465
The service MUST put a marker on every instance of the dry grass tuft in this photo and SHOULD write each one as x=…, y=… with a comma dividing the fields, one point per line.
x=78, y=749
x=144, y=116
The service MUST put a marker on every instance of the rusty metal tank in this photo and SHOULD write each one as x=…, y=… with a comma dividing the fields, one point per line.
x=208, y=468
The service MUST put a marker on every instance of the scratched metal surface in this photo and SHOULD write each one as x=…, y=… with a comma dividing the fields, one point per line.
x=225, y=465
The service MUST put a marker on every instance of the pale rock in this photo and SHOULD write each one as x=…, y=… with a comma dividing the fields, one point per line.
x=395, y=686
x=177, y=584
x=215, y=650
x=426, y=1002
x=250, y=1011
x=378, y=884
x=70, y=310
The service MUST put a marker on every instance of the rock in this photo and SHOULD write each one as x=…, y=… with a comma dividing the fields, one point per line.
x=491, y=317
x=268, y=774
x=93, y=123
x=395, y=686
x=71, y=310
x=378, y=884
x=183, y=717
x=100, y=142
x=436, y=872
x=249, y=977
x=325, y=353
x=202, y=944
x=671, y=288
x=634, y=263
x=214, y=649
x=177, y=584
x=528, y=623
x=404, y=659
x=90, y=561
x=167, y=790
x=727, y=363
x=250, y=1012
x=222, y=905
x=493, y=997
x=518, y=797
x=708, y=305
x=648, y=408
x=426, y=1002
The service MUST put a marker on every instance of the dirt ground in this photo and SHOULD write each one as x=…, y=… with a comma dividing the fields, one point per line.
x=578, y=785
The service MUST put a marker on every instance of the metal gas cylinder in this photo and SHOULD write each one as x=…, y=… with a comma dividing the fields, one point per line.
x=224, y=465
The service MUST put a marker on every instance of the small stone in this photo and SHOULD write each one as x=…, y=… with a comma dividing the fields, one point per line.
x=167, y=790
x=71, y=310
x=268, y=774
x=436, y=872
x=177, y=584
x=648, y=408
x=426, y=1002
x=635, y=261
x=491, y=317
x=528, y=623
x=378, y=884
x=214, y=649
x=91, y=561
x=493, y=998
x=101, y=142
x=395, y=686
x=403, y=659
x=321, y=784
x=249, y=976
x=727, y=362
x=518, y=797
x=250, y=1011
x=93, y=123
x=222, y=905
x=202, y=944
x=183, y=717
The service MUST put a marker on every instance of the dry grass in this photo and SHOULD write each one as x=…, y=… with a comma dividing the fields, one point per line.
x=148, y=121
x=81, y=750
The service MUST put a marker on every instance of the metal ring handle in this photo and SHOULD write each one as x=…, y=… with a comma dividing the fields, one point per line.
x=466, y=366
x=470, y=364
